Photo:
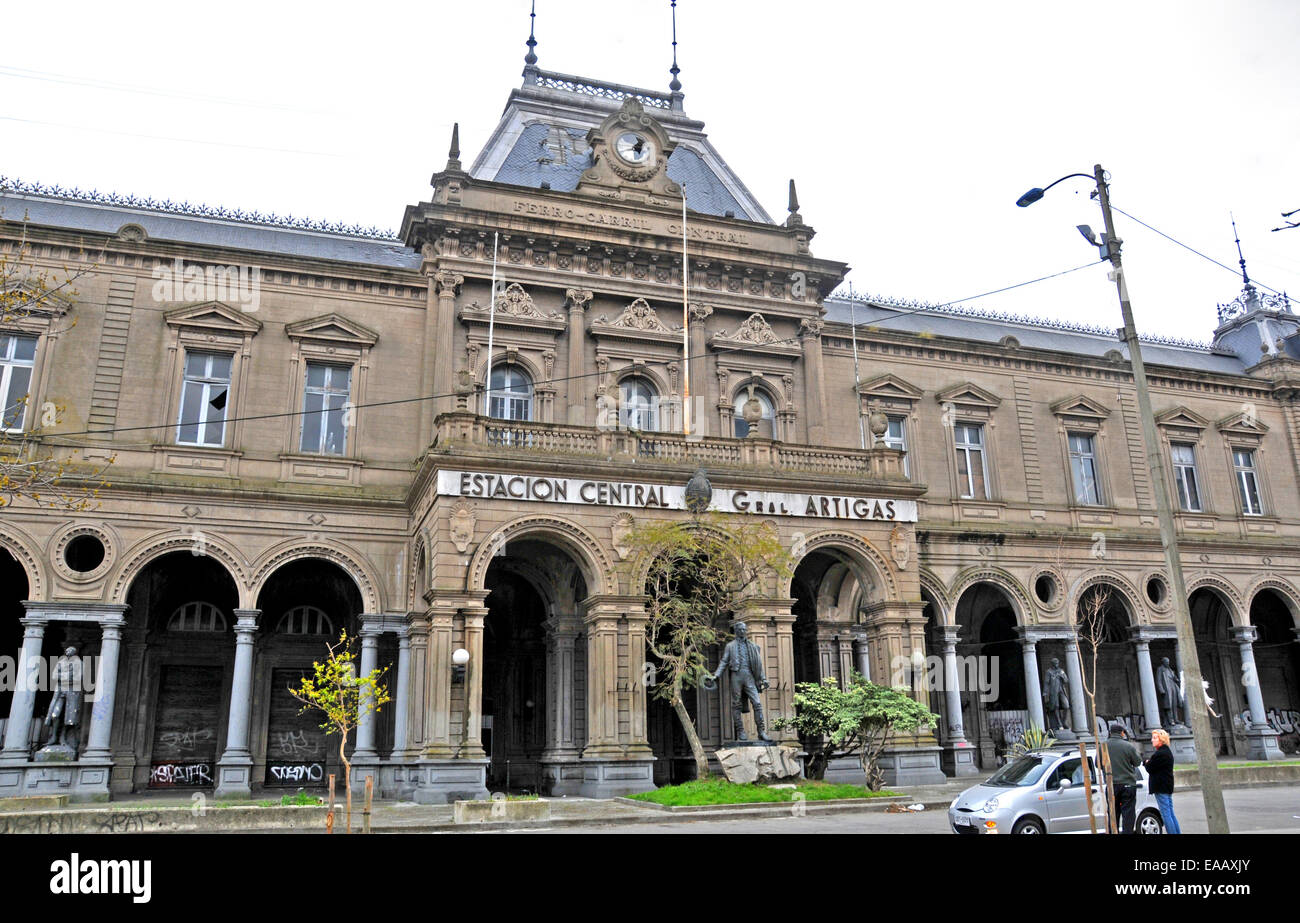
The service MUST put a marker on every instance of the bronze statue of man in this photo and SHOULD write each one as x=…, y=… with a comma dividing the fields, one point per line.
x=1167, y=686
x=65, y=704
x=1055, y=696
x=745, y=661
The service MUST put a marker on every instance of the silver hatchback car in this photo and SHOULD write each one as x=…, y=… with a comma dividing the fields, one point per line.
x=1042, y=792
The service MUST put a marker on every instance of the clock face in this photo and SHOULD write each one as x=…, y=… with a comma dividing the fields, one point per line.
x=634, y=148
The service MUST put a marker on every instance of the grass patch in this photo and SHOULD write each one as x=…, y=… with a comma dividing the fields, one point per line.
x=720, y=791
x=300, y=798
x=1192, y=766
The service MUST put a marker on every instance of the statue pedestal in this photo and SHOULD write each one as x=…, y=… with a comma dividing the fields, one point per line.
x=747, y=761
x=1181, y=742
x=55, y=753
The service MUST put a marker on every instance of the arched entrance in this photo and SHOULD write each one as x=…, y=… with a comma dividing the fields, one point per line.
x=13, y=590
x=995, y=716
x=829, y=592
x=179, y=650
x=1277, y=664
x=534, y=668
x=1107, y=658
x=305, y=605
x=1220, y=666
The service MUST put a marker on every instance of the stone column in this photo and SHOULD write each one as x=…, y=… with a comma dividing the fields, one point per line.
x=418, y=721
x=1261, y=739
x=1074, y=671
x=471, y=744
x=365, y=750
x=441, y=351
x=101, y=712
x=1146, y=679
x=403, y=701
x=602, y=681
x=235, y=768
x=437, y=742
x=702, y=381
x=1033, y=686
x=810, y=334
x=637, y=743
x=783, y=681
x=577, y=385
x=561, y=643
x=952, y=685
x=862, y=654
x=19, y=728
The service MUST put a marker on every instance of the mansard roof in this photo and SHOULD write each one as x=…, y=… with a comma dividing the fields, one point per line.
x=541, y=138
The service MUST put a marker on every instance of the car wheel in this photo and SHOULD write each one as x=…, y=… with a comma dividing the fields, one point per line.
x=1028, y=825
x=1150, y=823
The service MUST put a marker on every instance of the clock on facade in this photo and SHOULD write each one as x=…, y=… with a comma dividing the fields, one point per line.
x=634, y=148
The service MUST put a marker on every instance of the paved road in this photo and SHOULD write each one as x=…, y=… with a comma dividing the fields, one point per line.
x=1271, y=809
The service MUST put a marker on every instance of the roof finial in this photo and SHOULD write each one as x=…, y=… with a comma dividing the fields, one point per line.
x=530, y=59
x=675, y=85
x=453, y=152
x=1240, y=259
x=795, y=217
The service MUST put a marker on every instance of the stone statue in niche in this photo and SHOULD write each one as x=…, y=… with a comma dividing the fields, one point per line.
x=63, y=716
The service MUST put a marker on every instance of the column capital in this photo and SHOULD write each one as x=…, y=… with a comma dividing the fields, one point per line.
x=949, y=634
x=447, y=282
x=1244, y=634
x=578, y=298
x=610, y=606
x=246, y=620
x=33, y=628
x=810, y=328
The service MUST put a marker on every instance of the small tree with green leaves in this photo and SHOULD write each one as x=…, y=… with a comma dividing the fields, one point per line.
x=858, y=719
x=700, y=574
x=343, y=698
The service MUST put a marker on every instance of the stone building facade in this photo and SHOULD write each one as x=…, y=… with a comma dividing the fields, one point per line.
x=314, y=429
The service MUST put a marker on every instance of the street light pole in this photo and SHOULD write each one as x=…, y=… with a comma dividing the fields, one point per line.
x=1206, y=756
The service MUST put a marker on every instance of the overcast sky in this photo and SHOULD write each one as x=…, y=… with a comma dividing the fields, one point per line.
x=911, y=128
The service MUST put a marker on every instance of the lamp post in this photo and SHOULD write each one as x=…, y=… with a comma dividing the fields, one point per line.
x=1206, y=757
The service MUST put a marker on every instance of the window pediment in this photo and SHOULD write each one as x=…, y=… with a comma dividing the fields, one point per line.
x=332, y=328
x=1081, y=407
x=27, y=300
x=969, y=395
x=1182, y=418
x=212, y=317
x=891, y=388
x=1242, y=425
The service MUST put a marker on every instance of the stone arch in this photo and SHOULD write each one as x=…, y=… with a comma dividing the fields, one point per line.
x=1224, y=590
x=1128, y=593
x=595, y=563
x=932, y=585
x=534, y=372
x=868, y=562
x=416, y=582
x=214, y=546
x=656, y=378
x=535, y=577
x=352, y=563
x=1290, y=598
x=21, y=546
x=1021, y=606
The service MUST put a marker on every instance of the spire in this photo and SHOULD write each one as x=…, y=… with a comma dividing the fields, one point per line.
x=795, y=217
x=453, y=152
x=530, y=59
x=1250, y=300
x=1245, y=279
x=675, y=85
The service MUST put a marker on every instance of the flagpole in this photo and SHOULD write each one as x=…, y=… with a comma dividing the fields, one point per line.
x=492, y=316
x=857, y=379
x=686, y=326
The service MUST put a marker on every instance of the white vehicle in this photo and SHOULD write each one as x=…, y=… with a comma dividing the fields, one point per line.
x=1043, y=792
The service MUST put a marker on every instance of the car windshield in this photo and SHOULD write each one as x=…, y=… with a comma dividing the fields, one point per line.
x=1025, y=770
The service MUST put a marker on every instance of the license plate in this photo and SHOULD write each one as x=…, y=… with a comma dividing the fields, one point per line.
x=961, y=820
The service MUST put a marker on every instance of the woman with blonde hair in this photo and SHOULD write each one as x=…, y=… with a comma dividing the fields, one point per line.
x=1160, y=773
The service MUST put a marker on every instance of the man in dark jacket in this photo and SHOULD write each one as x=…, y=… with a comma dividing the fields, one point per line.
x=1124, y=761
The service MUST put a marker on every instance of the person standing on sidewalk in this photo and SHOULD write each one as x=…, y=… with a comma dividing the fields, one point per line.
x=1124, y=761
x=1160, y=771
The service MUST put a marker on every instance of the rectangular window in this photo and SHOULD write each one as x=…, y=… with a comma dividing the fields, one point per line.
x=895, y=437
x=324, y=405
x=204, y=397
x=1185, y=479
x=972, y=477
x=1083, y=465
x=1243, y=464
x=17, y=358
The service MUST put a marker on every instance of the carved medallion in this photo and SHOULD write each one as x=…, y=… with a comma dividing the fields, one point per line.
x=619, y=529
x=462, y=525
x=899, y=547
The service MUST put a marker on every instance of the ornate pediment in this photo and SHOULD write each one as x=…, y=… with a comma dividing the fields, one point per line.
x=334, y=328
x=1182, y=418
x=212, y=316
x=629, y=153
x=969, y=394
x=754, y=329
x=1081, y=406
x=638, y=316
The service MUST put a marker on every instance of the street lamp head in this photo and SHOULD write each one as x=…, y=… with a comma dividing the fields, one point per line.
x=1030, y=197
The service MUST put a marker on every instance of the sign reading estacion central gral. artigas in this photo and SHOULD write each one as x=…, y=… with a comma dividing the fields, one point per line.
x=644, y=496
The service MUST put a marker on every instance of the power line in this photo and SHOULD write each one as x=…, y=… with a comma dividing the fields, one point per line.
x=433, y=397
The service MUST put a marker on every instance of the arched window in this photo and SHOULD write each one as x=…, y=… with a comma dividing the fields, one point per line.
x=197, y=616
x=305, y=620
x=766, y=423
x=510, y=395
x=638, y=404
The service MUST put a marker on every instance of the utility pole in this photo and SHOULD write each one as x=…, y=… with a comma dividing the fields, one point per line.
x=1206, y=756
